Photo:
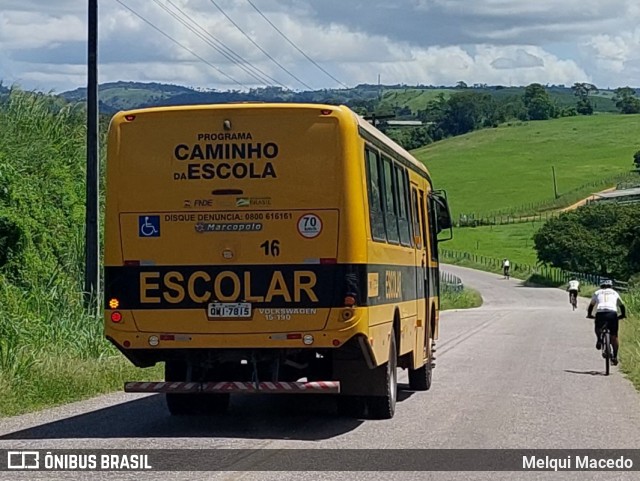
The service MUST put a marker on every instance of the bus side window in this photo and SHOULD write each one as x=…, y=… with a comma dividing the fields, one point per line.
x=403, y=208
x=390, y=203
x=416, y=219
x=376, y=214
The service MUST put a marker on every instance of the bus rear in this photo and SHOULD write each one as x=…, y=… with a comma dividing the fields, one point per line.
x=224, y=243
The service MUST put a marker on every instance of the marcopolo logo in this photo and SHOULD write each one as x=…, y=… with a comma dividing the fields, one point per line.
x=23, y=460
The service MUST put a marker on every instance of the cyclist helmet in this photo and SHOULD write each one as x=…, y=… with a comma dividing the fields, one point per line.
x=606, y=283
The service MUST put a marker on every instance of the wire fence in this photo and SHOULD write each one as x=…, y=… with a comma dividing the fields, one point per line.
x=552, y=274
x=449, y=282
x=470, y=220
x=542, y=210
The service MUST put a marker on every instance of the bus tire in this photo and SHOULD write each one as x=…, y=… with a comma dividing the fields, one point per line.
x=420, y=379
x=384, y=407
x=191, y=404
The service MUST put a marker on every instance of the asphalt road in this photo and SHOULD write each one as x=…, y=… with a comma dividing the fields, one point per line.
x=519, y=372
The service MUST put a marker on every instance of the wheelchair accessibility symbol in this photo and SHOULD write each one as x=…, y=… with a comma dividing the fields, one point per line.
x=149, y=226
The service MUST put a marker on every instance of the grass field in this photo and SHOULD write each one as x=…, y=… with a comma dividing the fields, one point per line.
x=513, y=241
x=512, y=165
x=415, y=99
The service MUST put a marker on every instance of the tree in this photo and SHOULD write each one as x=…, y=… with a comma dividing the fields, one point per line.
x=538, y=102
x=598, y=239
x=584, y=107
x=463, y=113
x=433, y=116
x=582, y=91
x=626, y=100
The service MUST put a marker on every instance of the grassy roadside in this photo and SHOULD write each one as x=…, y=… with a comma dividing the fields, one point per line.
x=630, y=339
x=465, y=299
x=56, y=379
x=52, y=351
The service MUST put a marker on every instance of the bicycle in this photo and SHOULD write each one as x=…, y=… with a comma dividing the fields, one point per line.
x=574, y=300
x=506, y=273
x=607, y=349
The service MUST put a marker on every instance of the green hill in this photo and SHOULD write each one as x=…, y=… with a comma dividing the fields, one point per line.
x=124, y=95
x=410, y=98
x=511, y=165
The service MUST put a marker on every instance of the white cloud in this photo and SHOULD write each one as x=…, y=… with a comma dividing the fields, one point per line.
x=20, y=30
x=521, y=59
x=617, y=54
x=408, y=41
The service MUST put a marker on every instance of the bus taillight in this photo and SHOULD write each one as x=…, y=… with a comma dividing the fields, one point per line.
x=349, y=300
x=328, y=260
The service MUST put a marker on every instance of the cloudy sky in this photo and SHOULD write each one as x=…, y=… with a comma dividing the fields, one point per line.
x=314, y=44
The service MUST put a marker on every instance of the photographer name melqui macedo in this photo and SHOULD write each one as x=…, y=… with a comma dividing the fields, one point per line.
x=576, y=463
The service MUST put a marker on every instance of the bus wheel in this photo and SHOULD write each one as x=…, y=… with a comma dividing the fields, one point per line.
x=384, y=407
x=420, y=379
x=191, y=404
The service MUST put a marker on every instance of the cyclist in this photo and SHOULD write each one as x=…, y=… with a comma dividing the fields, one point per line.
x=606, y=301
x=573, y=288
x=505, y=267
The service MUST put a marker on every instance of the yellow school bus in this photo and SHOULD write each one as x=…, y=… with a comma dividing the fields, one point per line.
x=280, y=248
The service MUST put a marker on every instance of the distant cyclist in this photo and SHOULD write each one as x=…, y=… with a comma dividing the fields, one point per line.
x=573, y=288
x=505, y=267
x=606, y=301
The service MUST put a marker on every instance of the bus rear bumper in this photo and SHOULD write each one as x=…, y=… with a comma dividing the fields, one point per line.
x=159, y=340
x=314, y=387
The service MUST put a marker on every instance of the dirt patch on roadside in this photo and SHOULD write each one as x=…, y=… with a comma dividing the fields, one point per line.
x=582, y=202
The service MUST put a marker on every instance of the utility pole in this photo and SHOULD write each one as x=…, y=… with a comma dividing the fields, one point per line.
x=91, y=270
x=555, y=185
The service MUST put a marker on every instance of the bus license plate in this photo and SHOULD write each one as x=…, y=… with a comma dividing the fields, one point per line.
x=232, y=310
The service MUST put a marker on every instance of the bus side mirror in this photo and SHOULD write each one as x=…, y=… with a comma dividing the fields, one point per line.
x=442, y=214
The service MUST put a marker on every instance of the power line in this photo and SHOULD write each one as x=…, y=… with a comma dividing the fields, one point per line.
x=219, y=46
x=183, y=22
x=294, y=45
x=181, y=45
x=259, y=47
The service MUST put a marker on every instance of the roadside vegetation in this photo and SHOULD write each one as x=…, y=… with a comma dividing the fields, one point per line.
x=630, y=339
x=467, y=298
x=51, y=349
